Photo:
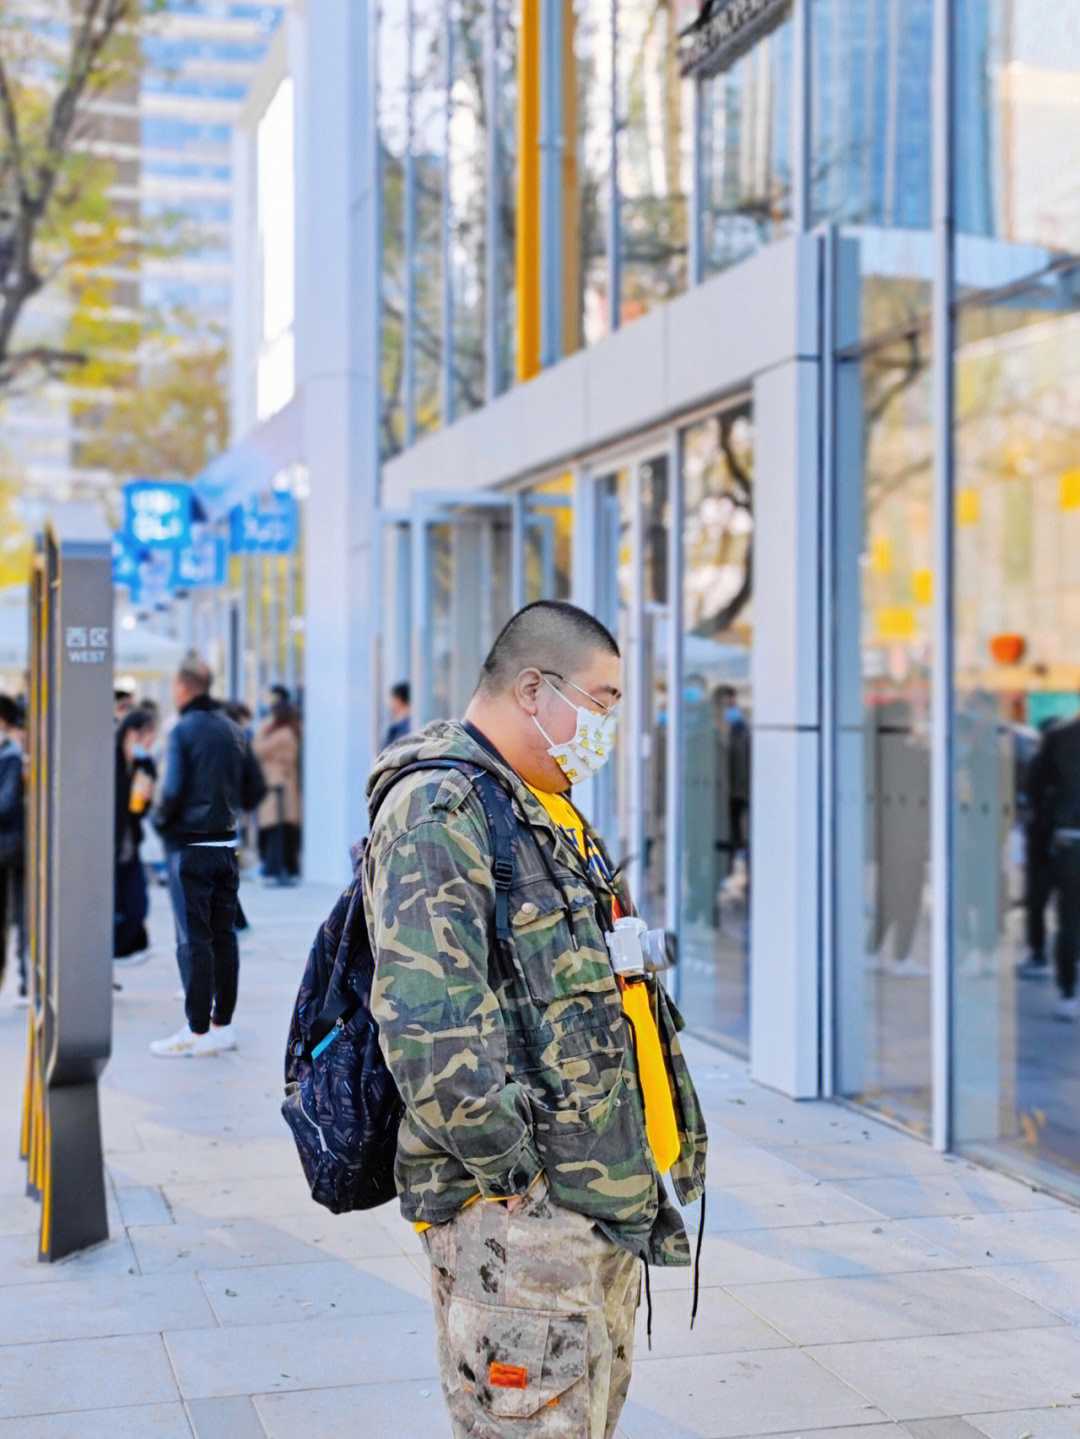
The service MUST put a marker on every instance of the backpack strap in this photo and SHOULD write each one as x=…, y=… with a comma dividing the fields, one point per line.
x=499, y=812
x=498, y=809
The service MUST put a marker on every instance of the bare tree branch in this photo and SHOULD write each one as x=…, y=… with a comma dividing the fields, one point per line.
x=11, y=124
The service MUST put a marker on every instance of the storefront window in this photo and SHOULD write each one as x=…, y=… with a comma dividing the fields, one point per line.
x=883, y=746
x=746, y=153
x=592, y=47
x=718, y=603
x=548, y=540
x=429, y=139
x=870, y=136
x=653, y=103
x=1016, y=794
x=393, y=144
x=467, y=200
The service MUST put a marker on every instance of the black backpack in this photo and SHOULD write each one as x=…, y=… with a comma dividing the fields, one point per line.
x=341, y=1102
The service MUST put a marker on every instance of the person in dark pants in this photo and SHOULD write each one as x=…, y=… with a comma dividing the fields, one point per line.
x=1054, y=793
x=136, y=774
x=12, y=834
x=211, y=778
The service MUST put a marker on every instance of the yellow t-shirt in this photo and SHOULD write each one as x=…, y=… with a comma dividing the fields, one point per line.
x=660, y=1123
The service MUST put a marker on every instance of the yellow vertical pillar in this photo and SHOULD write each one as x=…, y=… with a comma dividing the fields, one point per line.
x=527, y=240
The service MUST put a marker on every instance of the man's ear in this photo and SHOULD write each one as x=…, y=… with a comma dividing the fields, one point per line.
x=526, y=689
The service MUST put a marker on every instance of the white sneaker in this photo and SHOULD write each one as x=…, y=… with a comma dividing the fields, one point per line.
x=184, y=1044
x=1067, y=1010
x=221, y=1037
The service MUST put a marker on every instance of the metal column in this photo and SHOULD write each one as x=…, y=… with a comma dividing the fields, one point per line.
x=673, y=800
x=447, y=236
x=493, y=379
x=942, y=699
x=801, y=116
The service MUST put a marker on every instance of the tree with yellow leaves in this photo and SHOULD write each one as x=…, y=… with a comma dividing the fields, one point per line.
x=57, y=220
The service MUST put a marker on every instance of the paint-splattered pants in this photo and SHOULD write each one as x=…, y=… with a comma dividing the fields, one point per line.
x=534, y=1316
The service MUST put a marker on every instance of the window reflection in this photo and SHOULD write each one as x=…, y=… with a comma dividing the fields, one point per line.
x=653, y=104
x=746, y=153
x=717, y=713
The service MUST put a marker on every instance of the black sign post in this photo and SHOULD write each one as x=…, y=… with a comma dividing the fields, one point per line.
x=69, y=885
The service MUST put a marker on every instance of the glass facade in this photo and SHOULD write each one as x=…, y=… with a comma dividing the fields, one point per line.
x=1010, y=884
x=1017, y=611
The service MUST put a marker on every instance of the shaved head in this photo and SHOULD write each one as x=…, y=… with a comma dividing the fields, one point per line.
x=550, y=635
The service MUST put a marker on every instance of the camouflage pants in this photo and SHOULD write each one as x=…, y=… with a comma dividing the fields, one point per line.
x=534, y=1316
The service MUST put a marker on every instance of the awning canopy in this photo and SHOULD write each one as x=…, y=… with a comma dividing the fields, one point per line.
x=249, y=467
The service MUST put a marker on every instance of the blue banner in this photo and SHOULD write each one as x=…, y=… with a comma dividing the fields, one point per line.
x=158, y=514
x=268, y=529
x=201, y=565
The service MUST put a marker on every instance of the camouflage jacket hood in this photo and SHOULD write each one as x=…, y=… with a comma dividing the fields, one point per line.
x=512, y=1057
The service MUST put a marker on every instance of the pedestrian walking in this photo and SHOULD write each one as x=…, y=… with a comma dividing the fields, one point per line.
x=1054, y=796
x=211, y=778
x=541, y=1105
x=136, y=775
x=277, y=748
x=12, y=836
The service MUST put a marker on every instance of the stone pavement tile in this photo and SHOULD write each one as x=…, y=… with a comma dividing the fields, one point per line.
x=315, y=1353
x=350, y=1236
x=19, y=1214
x=102, y=1306
x=821, y=1251
x=767, y=1392
x=891, y=1306
x=78, y=1374
x=142, y=1204
x=723, y=1326
x=739, y=1162
x=961, y=1373
x=176, y=1155
x=764, y=1206
x=225, y=1419
x=413, y=1410
x=964, y=1190
x=952, y=1427
x=1021, y=1238
x=283, y=1293
x=1054, y=1285
x=1060, y=1423
x=223, y=1245
x=19, y=1263
x=137, y=1421
x=252, y=1198
x=881, y=1155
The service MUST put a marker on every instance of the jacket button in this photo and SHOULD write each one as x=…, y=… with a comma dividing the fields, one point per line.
x=527, y=910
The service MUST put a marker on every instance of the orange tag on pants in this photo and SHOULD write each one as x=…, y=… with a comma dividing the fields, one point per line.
x=507, y=1376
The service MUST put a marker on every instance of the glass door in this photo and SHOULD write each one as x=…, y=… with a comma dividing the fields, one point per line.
x=631, y=595
x=462, y=565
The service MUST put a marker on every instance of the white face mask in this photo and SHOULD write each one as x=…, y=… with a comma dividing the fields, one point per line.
x=590, y=746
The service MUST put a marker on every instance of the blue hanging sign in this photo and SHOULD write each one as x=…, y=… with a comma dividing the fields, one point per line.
x=200, y=566
x=158, y=514
x=268, y=529
x=125, y=564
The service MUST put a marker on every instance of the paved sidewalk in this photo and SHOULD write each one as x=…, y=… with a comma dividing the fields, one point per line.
x=855, y=1284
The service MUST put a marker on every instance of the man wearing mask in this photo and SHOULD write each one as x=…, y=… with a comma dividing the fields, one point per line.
x=541, y=1105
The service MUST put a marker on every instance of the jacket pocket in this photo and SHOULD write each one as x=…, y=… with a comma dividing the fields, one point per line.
x=560, y=953
x=594, y=1156
x=510, y=1363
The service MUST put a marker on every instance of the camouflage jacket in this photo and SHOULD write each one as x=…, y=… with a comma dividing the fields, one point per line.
x=510, y=1058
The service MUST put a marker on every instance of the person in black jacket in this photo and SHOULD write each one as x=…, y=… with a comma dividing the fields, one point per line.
x=136, y=775
x=1054, y=796
x=211, y=778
